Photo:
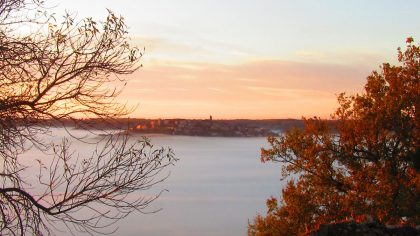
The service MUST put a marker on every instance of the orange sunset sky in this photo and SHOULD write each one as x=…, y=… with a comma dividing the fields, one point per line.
x=254, y=59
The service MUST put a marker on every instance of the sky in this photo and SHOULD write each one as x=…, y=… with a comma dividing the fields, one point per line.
x=254, y=59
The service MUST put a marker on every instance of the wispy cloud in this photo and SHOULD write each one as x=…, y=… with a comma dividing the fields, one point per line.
x=178, y=89
x=291, y=94
x=169, y=48
x=361, y=58
x=144, y=90
x=215, y=89
x=260, y=89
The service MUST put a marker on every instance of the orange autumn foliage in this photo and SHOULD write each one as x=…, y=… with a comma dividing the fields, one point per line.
x=364, y=164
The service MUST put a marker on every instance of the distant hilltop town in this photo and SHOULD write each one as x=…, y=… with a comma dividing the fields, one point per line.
x=209, y=127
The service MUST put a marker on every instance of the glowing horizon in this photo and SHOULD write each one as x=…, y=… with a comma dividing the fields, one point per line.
x=254, y=59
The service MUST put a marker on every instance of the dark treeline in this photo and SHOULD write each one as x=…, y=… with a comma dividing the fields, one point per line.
x=125, y=123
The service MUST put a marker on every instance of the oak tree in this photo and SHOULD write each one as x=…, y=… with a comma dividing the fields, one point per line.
x=52, y=72
x=363, y=164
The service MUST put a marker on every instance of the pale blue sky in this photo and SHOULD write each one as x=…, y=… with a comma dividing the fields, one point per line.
x=358, y=35
x=266, y=29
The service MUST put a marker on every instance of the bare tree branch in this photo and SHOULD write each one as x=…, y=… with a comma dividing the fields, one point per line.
x=66, y=71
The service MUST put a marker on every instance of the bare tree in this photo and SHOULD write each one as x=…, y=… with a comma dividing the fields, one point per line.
x=51, y=72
